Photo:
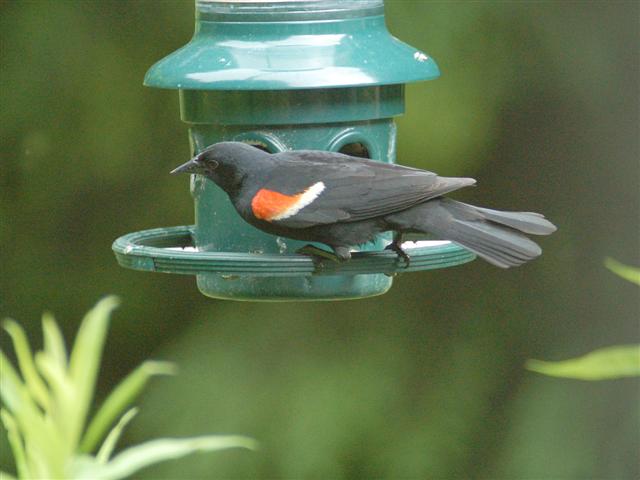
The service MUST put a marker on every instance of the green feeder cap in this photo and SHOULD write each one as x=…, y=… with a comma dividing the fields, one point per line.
x=292, y=44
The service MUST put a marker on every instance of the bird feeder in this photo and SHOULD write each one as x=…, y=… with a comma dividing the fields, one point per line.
x=284, y=75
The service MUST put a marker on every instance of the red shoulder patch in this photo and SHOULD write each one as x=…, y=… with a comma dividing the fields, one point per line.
x=267, y=204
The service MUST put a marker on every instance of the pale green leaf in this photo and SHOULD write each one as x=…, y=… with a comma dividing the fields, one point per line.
x=11, y=385
x=43, y=467
x=119, y=399
x=605, y=363
x=631, y=274
x=15, y=441
x=7, y=476
x=41, y=440
x=112, y=438
x=63, y=398
x=34, y=383
x=53, y=341
x=135, y=458
x=85, y=359
x=58, y=380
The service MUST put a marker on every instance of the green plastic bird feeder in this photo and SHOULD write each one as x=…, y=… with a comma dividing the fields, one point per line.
x=284, y=75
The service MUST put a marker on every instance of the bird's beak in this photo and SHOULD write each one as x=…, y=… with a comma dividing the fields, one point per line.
x=192, y=166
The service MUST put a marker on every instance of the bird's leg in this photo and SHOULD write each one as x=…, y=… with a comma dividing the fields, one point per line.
x=396, y=246
x=317, y=252
x=343, y=253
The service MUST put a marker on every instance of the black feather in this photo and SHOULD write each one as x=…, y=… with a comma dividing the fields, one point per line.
x=362, y=198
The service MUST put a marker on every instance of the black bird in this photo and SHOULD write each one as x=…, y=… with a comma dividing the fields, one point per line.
x=343, y=201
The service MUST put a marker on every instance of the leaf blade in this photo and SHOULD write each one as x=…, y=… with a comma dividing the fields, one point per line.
x=606, y=363
x=140, y=456
x=627, y=272
x=16, y=443
x=32, y=379
x=120, y=398
x=40, y=437
x=6, y=476
x=63, y=395
x=114, y=435
x=53, y=341
x=85, y=358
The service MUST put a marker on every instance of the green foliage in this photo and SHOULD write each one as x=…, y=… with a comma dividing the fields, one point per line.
x=135, y=458
x=46, y=410
x=119, y=398
x=631, y=274
x=602, y=364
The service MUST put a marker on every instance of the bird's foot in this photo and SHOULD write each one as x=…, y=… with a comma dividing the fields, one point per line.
x=396, y=247
x=318, y=253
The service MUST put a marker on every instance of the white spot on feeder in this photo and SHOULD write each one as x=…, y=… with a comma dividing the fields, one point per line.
x=183, y=249
x=282, y=245
x=421, y=57
x=424, y=243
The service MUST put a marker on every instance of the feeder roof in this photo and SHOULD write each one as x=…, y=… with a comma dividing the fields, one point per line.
x=253, y=54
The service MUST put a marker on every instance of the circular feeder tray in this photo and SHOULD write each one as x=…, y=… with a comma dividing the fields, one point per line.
x=172, y=250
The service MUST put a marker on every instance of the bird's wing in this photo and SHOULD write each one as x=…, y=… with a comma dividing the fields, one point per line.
x=306, y=190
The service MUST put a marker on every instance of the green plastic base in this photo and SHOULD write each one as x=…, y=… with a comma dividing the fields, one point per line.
x=293, y=289
x=275, y=277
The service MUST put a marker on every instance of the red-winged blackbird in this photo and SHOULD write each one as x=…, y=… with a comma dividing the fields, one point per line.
x=344, y=201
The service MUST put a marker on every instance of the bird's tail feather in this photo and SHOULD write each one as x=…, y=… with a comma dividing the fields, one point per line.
x=500, y=245
x=526, y=222
x=496, y=236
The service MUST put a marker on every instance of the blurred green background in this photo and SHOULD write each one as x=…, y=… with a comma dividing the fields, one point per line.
x=537, y=100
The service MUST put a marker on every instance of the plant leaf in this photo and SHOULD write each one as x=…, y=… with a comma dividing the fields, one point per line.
x=41, y=439
x=135, y=458
x=63, y=398
x=627, y=272
x=119, y=399
x=110, y=442
x=605, y=363
x=11, y=385
x=34, y=383
x=85, y=359
x=15, y=440
x=7, y=476
x=53, y=341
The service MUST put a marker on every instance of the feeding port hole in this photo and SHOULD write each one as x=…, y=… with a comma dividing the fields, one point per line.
x=355, y=149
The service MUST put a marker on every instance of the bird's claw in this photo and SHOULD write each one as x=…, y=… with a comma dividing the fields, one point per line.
x=397, y=248
x=318, y=253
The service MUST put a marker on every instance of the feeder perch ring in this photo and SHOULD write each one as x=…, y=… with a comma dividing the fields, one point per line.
x=171, y=250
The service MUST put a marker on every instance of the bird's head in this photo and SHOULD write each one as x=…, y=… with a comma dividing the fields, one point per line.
x=225, y=163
